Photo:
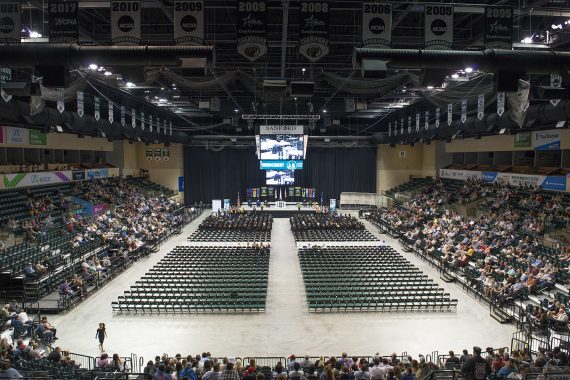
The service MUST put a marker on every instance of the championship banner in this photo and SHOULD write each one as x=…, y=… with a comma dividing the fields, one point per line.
x=252, y=29
x=96, y=108
x=80, y=104
x=498, y=27
x=480, y=106
x=500, y=103
x=389, y=129
x=314, y=29
x=409, y=124
x=449, y=114
x=189, y=22
x=133, y=118
x=464, y=111
x=111, y=115
x=426, y=120
x=555, y=81
x=10, y=22
x=376, y=25
x=60, y=102
x=123, y=121
x=437, y=117
x=142, y=121
x=417, y=122
x=150, y=122
x=63, y=19
x=396, y=128
x=126, y=22
x=438, y=26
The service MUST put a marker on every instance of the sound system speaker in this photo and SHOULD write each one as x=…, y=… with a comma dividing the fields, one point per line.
x=274, y=87
x=302, y=89
x=373, y=68
x=53, y=76
x=508, y=81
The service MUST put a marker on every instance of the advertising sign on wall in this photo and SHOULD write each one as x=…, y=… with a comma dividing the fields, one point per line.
x=523, y=140
x=97, y=173
x=547, y=140
x=10, y=181
x=37, y=137
x=16, y=135
x=459, y=174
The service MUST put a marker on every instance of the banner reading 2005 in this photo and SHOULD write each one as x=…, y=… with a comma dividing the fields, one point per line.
x=314, y=25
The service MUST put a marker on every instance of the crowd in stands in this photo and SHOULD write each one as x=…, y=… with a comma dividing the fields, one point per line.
x=242, y=221
x=325, y=221
x=505, y=263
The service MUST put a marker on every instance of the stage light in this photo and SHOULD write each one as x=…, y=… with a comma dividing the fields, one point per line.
x=455, y=76
x=236, y=110
x=303, y=69
x=527, y=40
x=35, y=35
x=430, y=87
x=468, y=70
x=108, y=73
x=93, y=66
x=131, y=84
x=324, y=111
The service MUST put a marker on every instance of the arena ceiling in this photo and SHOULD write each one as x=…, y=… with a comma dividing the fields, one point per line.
x=238, y=83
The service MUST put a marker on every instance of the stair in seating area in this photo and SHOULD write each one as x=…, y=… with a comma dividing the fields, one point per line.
x=447, y=276
x=500, y=315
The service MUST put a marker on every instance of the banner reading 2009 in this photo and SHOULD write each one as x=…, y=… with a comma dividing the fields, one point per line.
x=252, y=29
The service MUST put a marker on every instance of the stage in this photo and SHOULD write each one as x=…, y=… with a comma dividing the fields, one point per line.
x=288, y=211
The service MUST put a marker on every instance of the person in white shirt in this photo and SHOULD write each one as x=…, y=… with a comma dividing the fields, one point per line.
x=377, y=371
x=296, y=372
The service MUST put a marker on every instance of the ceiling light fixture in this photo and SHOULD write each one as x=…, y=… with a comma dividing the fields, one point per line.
x=93, y=66
x=468, y=70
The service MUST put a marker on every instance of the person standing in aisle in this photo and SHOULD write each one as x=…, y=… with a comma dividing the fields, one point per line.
x=101, y=334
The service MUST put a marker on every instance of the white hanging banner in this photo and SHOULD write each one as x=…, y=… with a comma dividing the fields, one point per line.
x=60, y=100
x=150, y=122
x=402, y=126
x=417, y=122
x=189, y=22
x=463, y=110
x=63, y=19
x=142, y=121
x=427, y=120
x=555, y=81
x=480, y=106
x=396, y=128
x=314, y=29
x=500, y=103
x=389, y=129
x=96, y=108
x=158, y=125
x=376, y=25
x=449, y=114
x=438, y=26
x=171, y=128
x=126, y=22
x=133, y=118
x=437, y=117
x=409, y=125
x=10, y=22
x=252, y=29
x=111, y=116
x=80, y=104
x=5, y=96
x=164, y=126
x=123, y=121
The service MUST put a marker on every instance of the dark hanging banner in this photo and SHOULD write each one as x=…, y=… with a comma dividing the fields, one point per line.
x=438, y=26
x=376, y=24
x=10, y=22
x=498, y=27
x=252, y=29
x=189, y=22
x=314, y=29
x=125, y=22
x=63, y=22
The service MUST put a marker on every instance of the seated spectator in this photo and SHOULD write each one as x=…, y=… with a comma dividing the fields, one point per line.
x=103, y=361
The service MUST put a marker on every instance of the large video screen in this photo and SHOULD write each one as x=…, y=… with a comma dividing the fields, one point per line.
x=282, y=147
x=279, y=177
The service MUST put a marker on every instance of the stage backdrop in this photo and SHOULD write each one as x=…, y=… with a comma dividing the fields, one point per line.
x=218, y=175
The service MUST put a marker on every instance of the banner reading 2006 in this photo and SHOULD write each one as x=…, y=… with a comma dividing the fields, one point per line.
x=376, y=25
x=314, y=29
x=252, y=29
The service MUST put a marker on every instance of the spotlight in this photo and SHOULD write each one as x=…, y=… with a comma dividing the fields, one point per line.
x=324, y=111
x=527, y=40
x=93, y=66
x=108, y=73
x=35, y=35
x=455, y=76
x=303, y=69
x=468, y=70
x=131, y=84
x=430, y=87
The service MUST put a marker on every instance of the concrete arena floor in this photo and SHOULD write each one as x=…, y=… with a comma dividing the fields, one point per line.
x=286, y=327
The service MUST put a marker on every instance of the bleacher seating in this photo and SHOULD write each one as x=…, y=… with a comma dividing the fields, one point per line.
x=333, y=235
x=368, y=279
x=201, y=280
x=412, y=185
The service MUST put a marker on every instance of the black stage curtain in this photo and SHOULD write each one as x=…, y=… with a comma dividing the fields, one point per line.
x=217, y=175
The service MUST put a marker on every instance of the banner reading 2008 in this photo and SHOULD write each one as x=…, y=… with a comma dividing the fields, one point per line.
x=252, y=29
x=314, y=29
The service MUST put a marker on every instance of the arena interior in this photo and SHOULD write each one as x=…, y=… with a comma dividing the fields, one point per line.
x=284, y=189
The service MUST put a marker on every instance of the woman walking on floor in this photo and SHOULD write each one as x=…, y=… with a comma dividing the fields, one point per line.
x=101, y=334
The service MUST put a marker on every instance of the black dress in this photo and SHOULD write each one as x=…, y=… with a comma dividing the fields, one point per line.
x=101, y=334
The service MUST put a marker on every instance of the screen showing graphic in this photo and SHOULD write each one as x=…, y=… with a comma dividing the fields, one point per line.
x=279, y=177
x=282, y=147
